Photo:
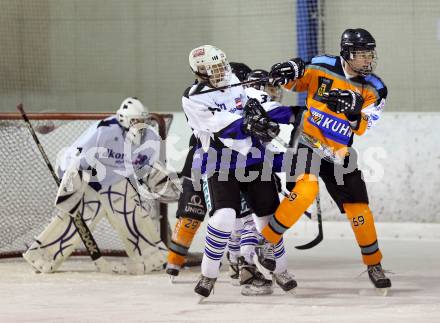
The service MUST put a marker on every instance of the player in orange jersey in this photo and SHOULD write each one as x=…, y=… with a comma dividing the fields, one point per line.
x=344, y=98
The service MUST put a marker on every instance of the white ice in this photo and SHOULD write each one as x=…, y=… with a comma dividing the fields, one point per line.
x=330, y=290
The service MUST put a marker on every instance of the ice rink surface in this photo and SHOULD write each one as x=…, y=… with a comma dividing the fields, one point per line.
x=329, y=290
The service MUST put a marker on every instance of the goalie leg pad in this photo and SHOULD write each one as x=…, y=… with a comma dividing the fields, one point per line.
x=60, y=238
x=71, y=191
x=138, y=232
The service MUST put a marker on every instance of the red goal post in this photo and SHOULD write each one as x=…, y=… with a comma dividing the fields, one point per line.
x=26, y=204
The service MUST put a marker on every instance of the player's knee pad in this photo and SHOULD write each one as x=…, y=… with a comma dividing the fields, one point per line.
x=362, y=223
x=292, y=207
x=181, y=240
x=191, y=202
x=299, y=199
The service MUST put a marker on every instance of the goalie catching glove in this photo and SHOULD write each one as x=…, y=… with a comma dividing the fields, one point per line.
x=256, y=122
x=344, y=101
x=161, y=184
x=283, y=73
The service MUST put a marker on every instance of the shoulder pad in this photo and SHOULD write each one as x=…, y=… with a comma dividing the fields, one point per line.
x=107, y=122
x=324, y=60
x=375, y=81
x=198, y=87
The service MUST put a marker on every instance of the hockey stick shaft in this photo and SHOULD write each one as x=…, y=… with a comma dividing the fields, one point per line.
x=78, y=221
x=232, y=85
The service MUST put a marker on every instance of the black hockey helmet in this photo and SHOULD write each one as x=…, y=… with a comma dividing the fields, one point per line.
x=259, y=74
x=355, y=40
x=241, y=70
x=358, y=49
x=275, y=92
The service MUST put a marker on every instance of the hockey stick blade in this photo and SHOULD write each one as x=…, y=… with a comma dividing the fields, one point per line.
x=312, y=243
x=320, y=235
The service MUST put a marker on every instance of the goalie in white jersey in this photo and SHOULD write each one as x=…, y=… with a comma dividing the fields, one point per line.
x=110, y=171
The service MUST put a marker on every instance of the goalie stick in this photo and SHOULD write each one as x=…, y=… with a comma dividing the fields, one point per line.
x=78, y=221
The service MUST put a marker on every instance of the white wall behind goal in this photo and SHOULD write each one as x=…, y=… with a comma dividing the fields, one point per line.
x=400, y=160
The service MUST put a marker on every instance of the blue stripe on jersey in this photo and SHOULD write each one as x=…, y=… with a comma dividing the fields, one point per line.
x=324, y=60
x=377, y=83
x=233, y=131
x=281, y=114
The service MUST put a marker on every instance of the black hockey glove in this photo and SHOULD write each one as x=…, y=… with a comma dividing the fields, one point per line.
x=283, y=73
x=344, y=101
x=256, y=122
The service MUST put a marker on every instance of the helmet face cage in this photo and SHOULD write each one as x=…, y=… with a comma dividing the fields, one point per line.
x=363, y=61
x=218, y=74
x=210, y=64
x=358, y=50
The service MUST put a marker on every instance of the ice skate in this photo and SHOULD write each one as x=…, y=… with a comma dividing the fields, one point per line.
x=204, y=287
x=264, y=258
x=173, y=271
x=379, y=280
x=253, y=282
x=286, y=281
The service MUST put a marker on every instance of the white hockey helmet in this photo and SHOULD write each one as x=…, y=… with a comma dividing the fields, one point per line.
x=130, y=112
x=210, y=64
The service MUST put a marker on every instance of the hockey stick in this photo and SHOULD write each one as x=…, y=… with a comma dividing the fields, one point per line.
x=306, y=213
x=232, y=85
x=320, y=235
x=78, y=221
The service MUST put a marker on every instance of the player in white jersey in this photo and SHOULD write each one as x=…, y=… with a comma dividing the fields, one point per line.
x=108, y=172
x=228, y=159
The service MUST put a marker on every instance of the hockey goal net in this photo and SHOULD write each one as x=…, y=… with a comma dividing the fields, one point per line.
x=28, y=188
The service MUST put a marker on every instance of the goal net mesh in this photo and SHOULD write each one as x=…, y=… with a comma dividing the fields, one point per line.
x=28, y=188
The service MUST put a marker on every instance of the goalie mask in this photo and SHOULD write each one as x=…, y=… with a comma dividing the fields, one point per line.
x=275, y=92
x=132, y=115
x=210, y=64
x=358, y=50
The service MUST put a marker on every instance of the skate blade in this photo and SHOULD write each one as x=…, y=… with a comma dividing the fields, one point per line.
x=201, y=299
x=171, y=278
x=249, y=291
x=266, y=273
